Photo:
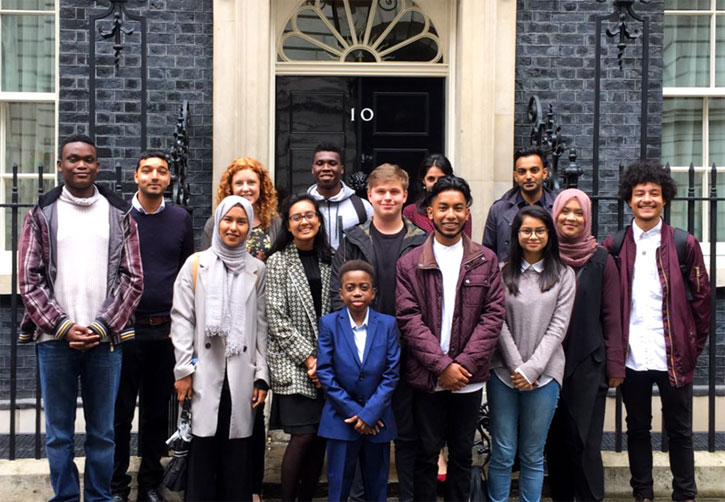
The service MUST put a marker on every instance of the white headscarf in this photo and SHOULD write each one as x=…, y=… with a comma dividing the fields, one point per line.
x=226, y=288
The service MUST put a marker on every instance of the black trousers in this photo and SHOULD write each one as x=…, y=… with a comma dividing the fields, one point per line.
x=576, y=471
x=219, y=467
x=147, y=371
x=444, y=418
x=406, y=445
x=259, y=447
x=677, y=415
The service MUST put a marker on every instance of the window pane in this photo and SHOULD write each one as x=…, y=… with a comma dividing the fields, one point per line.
x=678, y=215
x=29, y=136
x=371, y=28
x=28, y=53
x=687, y=4
x=686, y=53
x=721, y=4
x=717, y=131
x=29, y=4
x=682, y=131
x=720, y=52
x=27, y=194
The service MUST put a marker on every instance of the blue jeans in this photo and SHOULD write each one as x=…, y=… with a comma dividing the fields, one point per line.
x=99, y=370
x=519, y=419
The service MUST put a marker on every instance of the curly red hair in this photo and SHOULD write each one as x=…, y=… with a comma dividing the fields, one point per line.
x=266, y=206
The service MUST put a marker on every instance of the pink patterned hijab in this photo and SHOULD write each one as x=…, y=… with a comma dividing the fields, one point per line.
x=576, y=251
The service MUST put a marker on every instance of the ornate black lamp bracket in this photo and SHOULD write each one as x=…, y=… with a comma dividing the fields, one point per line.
x=625, y=9
x=546, y=134
x=117, y=29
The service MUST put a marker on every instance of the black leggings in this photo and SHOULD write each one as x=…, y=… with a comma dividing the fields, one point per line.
x=301, y=467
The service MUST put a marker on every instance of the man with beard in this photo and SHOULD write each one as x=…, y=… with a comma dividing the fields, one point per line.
x=147, y=369
x=529, y=175
x=450, y=308
x=337, y=200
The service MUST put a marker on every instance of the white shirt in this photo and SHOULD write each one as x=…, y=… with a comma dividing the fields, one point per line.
x=449, y=260
x=137, y=205
x=360, y=333
x=646, y=332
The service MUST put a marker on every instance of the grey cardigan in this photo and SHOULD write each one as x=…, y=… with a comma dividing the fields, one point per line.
x=292, y=321
x=535, y=327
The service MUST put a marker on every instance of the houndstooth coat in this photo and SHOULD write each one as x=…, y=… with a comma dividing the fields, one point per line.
x=292, y=321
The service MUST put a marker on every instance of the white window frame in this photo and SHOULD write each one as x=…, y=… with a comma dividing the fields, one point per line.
x=705, y=94
x=6, y=175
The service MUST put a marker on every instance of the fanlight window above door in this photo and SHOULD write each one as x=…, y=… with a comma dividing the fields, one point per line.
x=360, y=31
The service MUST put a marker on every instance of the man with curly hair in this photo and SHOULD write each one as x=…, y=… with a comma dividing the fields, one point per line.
x=665, y=319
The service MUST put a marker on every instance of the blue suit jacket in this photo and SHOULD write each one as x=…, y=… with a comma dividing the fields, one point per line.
x=353, y=387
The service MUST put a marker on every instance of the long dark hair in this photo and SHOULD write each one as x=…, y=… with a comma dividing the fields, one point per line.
x=433, y=160
x=285, y=237
x=553, y=266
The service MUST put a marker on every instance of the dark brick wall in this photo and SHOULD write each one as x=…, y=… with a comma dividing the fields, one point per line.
x=179, y=55
x=555, y=59
x=25, y=366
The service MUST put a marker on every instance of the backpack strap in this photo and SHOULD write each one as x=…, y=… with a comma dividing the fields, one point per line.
x=357, y=203
x=617, y=242
x=681, y=247
x=194, y=269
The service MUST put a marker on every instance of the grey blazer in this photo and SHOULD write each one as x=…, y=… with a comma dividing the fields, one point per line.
x=292, y=321
x=188, y=315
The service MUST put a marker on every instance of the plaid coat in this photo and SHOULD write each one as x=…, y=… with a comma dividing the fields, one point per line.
x=37, y=272
x=292, y=321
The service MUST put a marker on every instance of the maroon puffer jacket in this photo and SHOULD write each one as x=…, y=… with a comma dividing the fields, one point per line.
x=686, y=324
x=477, y=317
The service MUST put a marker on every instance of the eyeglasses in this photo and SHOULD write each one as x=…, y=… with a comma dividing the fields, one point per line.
x=309, y=216
x=528, y=232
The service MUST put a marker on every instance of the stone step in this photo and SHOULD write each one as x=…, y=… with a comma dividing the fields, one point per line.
x=28, y=479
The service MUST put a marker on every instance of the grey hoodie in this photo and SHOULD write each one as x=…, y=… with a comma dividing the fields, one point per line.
x=336, y=206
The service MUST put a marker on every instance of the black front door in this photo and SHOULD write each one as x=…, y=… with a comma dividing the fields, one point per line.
x=372, y=119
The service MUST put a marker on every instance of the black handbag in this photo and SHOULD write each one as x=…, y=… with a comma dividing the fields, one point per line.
x=180, y=443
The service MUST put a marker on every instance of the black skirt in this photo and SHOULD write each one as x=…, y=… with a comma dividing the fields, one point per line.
x=296, y=414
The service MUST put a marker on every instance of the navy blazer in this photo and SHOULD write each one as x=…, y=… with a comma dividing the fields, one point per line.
x=353, y=387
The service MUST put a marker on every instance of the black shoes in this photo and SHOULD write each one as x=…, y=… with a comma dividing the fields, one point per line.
x=151, y=496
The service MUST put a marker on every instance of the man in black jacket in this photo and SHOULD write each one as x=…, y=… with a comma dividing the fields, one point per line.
x=529, y=175
x=381, y=242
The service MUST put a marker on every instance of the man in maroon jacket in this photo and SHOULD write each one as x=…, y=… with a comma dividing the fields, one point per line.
x=450, y=308
x=663, y=329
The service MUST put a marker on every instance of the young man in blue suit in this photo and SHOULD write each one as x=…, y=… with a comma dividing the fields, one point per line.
x=357, y=365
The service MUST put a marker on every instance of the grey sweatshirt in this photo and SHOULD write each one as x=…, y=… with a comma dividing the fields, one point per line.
x=535, y=327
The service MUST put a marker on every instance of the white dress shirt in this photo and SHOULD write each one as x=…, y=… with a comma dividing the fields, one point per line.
x=646, y=332
x=449, y=260
x=360, y=333
x=137, y=204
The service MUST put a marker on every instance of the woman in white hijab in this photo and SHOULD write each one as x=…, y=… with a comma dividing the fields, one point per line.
x=219, y=331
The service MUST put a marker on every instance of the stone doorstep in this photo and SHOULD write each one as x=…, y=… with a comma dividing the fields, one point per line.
x=28, y=479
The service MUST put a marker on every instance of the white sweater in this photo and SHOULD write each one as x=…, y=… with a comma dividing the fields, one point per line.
x=82, y=255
